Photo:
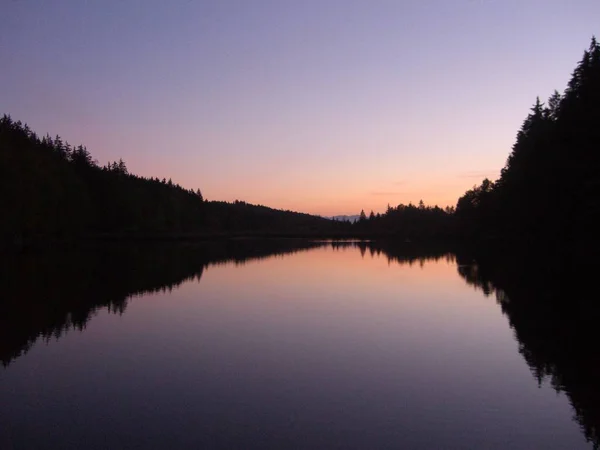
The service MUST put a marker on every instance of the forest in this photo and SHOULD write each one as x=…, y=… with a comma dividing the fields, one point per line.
x=546, y=195
x=52, y=191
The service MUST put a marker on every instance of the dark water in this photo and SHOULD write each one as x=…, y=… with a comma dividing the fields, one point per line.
x=281, y=345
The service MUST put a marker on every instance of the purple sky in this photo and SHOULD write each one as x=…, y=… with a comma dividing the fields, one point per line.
x=323, y=106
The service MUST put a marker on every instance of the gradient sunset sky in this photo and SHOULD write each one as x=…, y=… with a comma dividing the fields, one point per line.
x=321, y=106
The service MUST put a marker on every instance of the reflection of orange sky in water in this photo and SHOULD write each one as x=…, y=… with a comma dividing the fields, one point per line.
x=342, y=270
x=340, y=263
x=324, y=287
x=313, y=287
x=320, y=309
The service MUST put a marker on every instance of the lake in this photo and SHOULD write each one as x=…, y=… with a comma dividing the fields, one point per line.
x=284, y=345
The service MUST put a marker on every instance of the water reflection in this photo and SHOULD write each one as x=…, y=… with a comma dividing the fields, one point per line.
x=397, y=252
x=46, y=295
x=555, y=322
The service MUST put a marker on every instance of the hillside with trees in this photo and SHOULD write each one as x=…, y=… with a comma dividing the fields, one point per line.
x=547, y=193
x=51, y=190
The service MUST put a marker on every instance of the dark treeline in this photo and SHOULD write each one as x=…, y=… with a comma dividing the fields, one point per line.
x=49, y=189
x=408, y=222
x=45, y=294
x=548, y=191
x=548, y=306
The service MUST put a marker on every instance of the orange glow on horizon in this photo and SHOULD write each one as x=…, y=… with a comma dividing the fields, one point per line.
x=329, y=200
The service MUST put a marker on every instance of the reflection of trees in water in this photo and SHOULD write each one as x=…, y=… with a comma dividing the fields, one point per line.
x=44, y=295
x=399, y=252
x=554, y=316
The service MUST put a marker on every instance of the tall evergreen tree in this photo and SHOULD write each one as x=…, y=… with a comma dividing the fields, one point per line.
x=548, y=189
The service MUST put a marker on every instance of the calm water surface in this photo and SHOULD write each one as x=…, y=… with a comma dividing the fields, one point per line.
x=329, y=347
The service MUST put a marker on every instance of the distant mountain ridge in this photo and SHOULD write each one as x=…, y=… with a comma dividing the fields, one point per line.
x=343, y=218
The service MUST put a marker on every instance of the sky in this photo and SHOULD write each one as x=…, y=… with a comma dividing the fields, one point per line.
x=320, y=106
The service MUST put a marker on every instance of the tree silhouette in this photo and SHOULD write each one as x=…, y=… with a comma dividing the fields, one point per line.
x=49, y=190
x=548, y=189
